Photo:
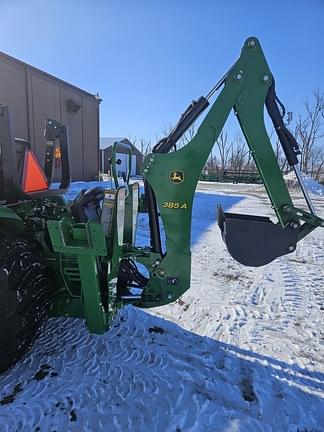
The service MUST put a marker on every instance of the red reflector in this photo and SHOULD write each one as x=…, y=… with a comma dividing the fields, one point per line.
x=34, y=179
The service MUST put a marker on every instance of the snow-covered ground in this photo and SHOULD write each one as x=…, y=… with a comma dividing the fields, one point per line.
x=242, y=350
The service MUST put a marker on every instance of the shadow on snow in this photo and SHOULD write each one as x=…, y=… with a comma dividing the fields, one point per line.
x=149, y=374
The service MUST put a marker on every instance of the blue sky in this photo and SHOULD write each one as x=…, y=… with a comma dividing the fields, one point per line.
x=149, y=58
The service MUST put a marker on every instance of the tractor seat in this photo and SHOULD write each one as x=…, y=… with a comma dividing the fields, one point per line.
x=87, y=205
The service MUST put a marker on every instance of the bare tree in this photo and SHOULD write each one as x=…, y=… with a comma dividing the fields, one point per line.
x=143, y=144
x=224, y=148
x=187, y=136
x=280, y=156
x=212, y=165
x=239, y=153
x=310, y=128
x=316, y=162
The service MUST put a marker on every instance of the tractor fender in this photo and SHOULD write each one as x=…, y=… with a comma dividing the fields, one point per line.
x=10, y=220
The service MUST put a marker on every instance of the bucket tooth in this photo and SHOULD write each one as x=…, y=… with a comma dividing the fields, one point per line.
x=255, y=240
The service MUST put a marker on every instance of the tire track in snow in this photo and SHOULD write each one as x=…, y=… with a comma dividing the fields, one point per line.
x=145, y=374
x=294, y=297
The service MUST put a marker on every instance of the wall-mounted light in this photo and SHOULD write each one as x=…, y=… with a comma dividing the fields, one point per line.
x=72, y=106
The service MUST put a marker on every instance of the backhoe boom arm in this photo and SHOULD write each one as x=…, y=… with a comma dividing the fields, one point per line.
x=172, y=177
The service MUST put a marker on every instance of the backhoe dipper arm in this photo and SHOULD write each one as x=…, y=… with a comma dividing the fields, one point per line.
x=171, y=179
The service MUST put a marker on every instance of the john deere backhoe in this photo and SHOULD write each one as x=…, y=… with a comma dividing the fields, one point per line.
x=79, y=259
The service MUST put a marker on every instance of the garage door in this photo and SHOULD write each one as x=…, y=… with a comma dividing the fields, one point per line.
x=123, y=167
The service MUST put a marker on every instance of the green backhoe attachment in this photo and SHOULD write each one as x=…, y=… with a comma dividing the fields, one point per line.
x=88, y=246
x=171, y=178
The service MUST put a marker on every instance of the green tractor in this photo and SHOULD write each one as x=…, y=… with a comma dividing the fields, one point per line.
x=79, y=259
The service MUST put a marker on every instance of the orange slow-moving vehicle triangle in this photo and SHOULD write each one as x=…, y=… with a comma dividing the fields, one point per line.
x=34, y=178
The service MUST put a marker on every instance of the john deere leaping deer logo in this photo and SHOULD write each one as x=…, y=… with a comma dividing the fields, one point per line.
x=176, y=176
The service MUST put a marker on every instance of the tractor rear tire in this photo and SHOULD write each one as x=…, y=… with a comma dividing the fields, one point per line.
x=24, y=298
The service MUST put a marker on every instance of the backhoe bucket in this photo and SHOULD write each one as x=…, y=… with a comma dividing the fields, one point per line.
x=255, y=240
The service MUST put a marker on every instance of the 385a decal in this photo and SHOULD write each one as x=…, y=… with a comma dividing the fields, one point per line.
x=174, y=205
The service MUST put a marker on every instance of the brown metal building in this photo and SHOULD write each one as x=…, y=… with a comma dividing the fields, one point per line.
x=34, y=95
